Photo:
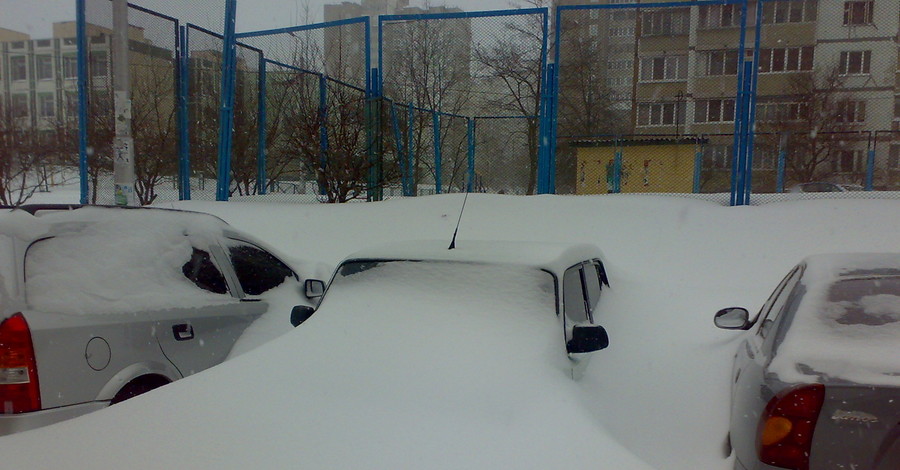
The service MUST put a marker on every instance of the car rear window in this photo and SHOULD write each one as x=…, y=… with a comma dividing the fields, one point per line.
x=846, y=329
x=125, y=265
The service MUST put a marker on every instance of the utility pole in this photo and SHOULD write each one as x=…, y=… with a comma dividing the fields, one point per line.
x=123, y=145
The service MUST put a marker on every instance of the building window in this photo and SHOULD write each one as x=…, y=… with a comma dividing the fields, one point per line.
x=665, y=68
x=99, y=66
x=714, y=110
x=858, y=12
x=622, y=32
x=46, y=105
x=71, y=103
x=720, y=62
x=17, y=45
x=722, y=16
x=789, y=11
x=18, y=69
x=851, y=111
x=42, y=43
x=660, y=114
x=717, y=157
x=594, y=30
x=70, y=41
x=849, y=161
x=790, y=59
x=43, y=65
x=781, y=112
x=855, y=62
x=613, y=82
x=669, y=22
x=70, y=65
x=894, y=158
x=19, y=106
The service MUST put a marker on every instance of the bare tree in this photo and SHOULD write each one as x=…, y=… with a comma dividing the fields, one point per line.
x=29, y=156
x=816, y=125
x=514, y=60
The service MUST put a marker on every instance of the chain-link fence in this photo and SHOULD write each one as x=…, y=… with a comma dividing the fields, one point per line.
x=475, y=81
x=777, y=96
x=722, y=98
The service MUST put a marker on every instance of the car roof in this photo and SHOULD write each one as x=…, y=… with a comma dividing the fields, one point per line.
x=554, y=257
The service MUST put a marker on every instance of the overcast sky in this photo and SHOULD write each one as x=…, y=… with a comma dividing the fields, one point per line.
x=35, y=17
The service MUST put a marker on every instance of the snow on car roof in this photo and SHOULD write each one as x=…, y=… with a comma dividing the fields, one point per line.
x=555, y=257
x=847, y=324
x=111, y=260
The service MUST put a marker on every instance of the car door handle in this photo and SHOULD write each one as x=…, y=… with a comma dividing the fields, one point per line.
x=183, y=332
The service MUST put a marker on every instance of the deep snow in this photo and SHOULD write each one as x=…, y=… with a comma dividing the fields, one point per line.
x=660, y=392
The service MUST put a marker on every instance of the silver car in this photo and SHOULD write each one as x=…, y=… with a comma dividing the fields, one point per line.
x=98, y=305
x=816, y=380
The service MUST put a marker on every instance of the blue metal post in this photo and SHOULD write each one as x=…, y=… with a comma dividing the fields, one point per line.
x=617, y=170
x=782, y=159
x=323, y=132
x=470, y=184
x=737, y=162
x=184, y=143
x=226, y=115
x=81, y=26
x=262, y=177
x=750, y=125
x=410, y=153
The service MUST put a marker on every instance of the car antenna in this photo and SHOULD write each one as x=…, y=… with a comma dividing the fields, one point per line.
x=456, y=230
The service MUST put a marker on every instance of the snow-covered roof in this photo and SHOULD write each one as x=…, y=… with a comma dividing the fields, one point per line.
x=554, y=257
x=847, y=325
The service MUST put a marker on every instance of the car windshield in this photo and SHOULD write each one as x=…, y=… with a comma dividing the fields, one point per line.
x=517, y=287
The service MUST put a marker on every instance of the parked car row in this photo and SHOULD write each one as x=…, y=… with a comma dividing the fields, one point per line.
x=815, y=382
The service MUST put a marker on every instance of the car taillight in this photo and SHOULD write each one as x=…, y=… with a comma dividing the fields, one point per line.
x=19, y=390
x=786, y=428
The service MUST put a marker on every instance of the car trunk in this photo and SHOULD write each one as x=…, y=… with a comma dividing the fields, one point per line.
x=858, y=427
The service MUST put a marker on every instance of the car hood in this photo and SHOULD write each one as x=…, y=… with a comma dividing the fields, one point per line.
x=389, y=373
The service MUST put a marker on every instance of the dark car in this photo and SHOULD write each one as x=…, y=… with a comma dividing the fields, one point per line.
x=816, y=380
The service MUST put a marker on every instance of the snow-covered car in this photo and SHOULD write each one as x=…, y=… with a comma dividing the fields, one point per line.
x=565, y=279
x=816, y=380
x=98, y=305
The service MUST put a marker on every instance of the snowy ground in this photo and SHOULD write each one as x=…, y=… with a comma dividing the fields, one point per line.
x=660, y=391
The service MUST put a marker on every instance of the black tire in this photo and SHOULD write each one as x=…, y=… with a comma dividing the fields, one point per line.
x=138, y=386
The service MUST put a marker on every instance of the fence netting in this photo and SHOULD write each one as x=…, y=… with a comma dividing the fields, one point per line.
x=667, y=99
x=152, y=43
x=466, y=69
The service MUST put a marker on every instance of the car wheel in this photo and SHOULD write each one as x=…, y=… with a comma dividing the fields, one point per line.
x=139, y=386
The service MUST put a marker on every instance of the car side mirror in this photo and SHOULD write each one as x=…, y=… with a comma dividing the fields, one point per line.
x=733, y=318
x=313, y=288
x=300, y=314
x=587, y=338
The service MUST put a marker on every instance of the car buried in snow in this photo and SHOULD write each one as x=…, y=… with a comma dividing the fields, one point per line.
x=565, y=280
x=98, y=305
x=816, y=379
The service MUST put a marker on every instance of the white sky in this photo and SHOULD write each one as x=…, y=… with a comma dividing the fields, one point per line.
x=35, y=17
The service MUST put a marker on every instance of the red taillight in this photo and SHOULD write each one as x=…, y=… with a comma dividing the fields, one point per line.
x=786, y=428
x=19, y=390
